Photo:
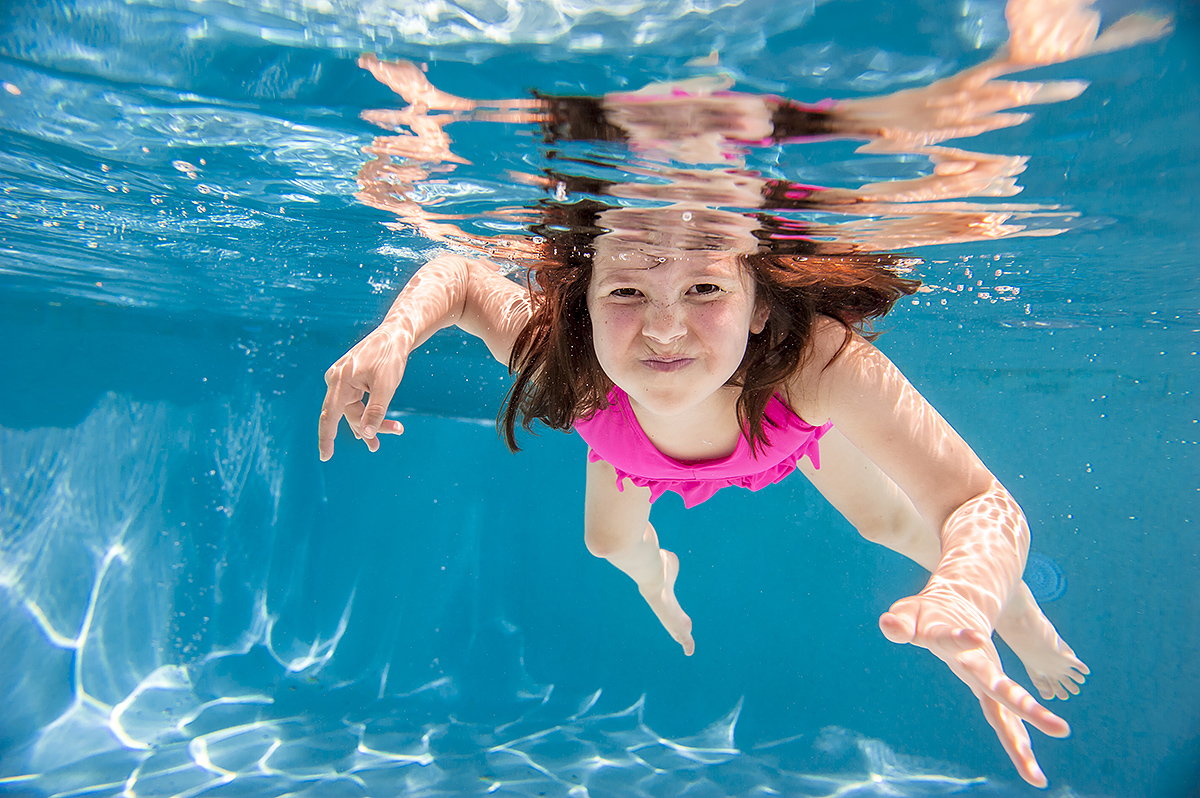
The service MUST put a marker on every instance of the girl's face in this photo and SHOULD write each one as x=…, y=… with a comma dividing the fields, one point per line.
x=670, y=327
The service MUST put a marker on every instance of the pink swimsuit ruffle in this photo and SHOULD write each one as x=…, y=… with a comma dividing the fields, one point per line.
x=614, y=436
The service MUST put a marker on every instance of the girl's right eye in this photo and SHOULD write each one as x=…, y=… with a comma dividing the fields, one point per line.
x=625, y=293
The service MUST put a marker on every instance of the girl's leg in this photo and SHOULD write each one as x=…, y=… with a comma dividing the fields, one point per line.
x=882, y=513
x=617, y=527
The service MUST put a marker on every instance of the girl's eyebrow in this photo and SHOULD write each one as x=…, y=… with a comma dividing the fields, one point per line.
x=622, y=279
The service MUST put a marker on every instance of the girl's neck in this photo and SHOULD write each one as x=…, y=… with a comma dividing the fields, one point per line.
x=708, y=431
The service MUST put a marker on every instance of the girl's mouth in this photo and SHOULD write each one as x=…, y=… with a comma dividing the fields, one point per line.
x=668, y=363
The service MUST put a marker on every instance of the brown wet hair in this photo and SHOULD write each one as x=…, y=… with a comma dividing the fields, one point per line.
x=584, y=118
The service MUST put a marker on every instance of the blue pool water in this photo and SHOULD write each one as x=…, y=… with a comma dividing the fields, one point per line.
x=192, y=604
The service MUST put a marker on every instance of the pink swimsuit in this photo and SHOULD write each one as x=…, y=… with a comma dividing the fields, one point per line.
x=615, y=436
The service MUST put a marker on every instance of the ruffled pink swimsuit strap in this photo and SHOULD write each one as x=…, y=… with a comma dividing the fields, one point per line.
x=615, y=436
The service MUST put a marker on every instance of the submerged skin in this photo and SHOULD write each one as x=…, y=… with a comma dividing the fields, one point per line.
x=670, y=331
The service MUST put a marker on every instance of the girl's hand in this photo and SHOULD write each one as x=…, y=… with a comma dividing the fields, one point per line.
x=449, y=290
x=955, y=631
x=373, y=367
x=409, y=81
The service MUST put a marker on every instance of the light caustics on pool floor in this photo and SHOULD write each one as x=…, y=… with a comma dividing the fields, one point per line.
x=116, y=695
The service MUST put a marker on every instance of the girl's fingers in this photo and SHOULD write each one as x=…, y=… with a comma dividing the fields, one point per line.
x=391, y=427
x=339, y=393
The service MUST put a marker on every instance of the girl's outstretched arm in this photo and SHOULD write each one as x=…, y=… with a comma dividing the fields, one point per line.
x=983, y=533
x=449, y=290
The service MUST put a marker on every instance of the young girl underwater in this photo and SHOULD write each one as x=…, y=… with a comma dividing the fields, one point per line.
x=695, y=349
x=691, y=370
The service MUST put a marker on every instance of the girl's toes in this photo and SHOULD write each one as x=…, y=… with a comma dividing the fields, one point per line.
x=898, y=627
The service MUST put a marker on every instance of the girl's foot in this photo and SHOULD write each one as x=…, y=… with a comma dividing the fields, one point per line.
x=662, y=600
x=1051, y=664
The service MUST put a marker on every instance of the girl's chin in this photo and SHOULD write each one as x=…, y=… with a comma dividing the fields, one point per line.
x=664, y=404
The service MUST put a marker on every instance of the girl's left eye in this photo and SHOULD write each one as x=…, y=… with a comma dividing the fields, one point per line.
x=706, y=288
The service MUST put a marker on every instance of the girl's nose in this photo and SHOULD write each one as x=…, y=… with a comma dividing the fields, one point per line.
x=664, y=322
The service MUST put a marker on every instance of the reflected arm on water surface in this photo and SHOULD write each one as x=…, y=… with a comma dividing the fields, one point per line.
x=1041, y=32
x=447, y=291
x=983, y=534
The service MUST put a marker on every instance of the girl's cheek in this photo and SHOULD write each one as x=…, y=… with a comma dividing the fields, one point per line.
x=622, y=318
x=715, y=316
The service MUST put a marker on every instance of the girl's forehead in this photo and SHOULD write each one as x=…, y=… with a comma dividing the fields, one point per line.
x=666, y=266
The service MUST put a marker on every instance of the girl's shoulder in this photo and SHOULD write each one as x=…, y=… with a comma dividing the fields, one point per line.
x=806, y=389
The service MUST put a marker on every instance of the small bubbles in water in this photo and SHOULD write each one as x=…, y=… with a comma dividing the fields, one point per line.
x=687, y=216
x=560, y=191
x=539, y=240
x=11, y=89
